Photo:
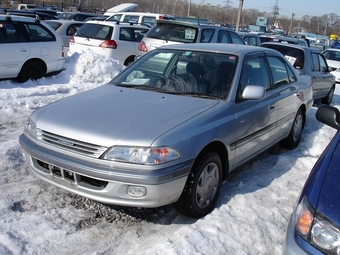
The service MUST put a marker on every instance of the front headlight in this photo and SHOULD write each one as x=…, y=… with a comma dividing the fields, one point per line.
x=141, y=155
x=316, y=229
x=31, y=129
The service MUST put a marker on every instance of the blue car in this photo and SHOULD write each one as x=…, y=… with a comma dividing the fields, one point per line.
x=314, y=226
x=336, y=45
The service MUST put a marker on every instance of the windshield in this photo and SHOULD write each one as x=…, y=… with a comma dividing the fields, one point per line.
x=200, y=74
x=332, y=55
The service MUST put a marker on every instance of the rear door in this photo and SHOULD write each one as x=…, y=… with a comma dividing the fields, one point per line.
x=15, y=49
x=323, y=80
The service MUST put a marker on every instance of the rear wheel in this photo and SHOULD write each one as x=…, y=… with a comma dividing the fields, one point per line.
x=328, y=99
x=294, y=136
x=202, y=187
x=31, y=70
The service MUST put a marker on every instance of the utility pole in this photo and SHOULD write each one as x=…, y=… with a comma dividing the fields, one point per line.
x=189, y=8
x=291, y=24
x=239, y=15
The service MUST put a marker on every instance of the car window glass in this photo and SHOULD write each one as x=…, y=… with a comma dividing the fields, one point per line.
x=115, y=17
x=126, y=34
x=149, y=21
x=323, y=64
x=38, y=33
x=139, y=33
x=182, y=72
x=207, y=35
x=10, y=33
x=95, y=31
x=223, y=37
x=131, y=18
x=235, y=38
x=279, y=71
x=72, y=29
x=254, y=72
x=315, y=63
x=174, y=32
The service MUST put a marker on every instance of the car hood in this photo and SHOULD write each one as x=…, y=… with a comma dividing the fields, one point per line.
x=110, y=115
x=328, y=203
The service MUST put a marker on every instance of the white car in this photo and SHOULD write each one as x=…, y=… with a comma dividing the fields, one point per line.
x=66, y=28
x=30, y=49
x=111, y=39
x=333, y=60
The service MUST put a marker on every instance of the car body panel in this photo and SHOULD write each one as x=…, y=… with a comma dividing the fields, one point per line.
x=313, y=64
x=66, y=28
x=93, y=34
x=159, y=101
x=42, y=43
x=321, y=188
x=166, y=32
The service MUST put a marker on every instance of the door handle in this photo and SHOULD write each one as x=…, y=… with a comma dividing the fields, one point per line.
x=272, y=106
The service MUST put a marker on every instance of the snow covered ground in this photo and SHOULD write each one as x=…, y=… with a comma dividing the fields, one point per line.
x=35, y=218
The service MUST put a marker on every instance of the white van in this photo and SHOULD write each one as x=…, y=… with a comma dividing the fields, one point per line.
x=144, y=18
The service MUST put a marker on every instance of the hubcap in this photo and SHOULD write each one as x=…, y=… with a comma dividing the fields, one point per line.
x=207, y=185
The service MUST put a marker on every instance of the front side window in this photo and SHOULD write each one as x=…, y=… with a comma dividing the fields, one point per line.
x=323, y=63
x=131, y=18
x=223, y=37
x=149, y=21
x=315, y=63
x=181, y=72
x=254, y=72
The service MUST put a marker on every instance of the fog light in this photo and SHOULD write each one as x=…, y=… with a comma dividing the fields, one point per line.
x=136, y=191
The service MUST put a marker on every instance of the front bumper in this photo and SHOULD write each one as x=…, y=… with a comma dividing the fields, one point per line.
x=100, y=181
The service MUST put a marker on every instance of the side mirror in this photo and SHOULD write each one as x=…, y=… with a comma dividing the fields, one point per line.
x=328, y=115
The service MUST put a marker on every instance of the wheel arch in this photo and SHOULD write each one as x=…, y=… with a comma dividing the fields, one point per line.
x=42, y=62
x=221, y=150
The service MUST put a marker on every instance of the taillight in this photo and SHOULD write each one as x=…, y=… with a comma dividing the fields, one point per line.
x=142, y=46
x=108, y=44
x=72, y=39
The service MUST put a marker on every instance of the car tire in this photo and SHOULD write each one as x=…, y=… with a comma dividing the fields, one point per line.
x=328, y=99
x=294, y=137
x=202, y=187
x=31, y=70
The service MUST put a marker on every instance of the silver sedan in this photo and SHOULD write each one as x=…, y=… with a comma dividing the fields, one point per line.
x=170, y=127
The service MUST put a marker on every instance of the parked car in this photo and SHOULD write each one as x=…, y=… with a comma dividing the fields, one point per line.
x=336, y=45
x=171, y=126
x=175, y=32
x=290, y=40
x=144, y=18
x=332, y=56
x=250, y=38
x=32, y=14
x=77, y=16
x=319, y=46
x=111, y=39
x=267, y=37
x=314, y=226
x=30, y=49
x=309, y=61
x=66, y=28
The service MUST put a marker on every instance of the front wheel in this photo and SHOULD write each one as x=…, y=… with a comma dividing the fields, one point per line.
x=202, y=187
x=294, y=136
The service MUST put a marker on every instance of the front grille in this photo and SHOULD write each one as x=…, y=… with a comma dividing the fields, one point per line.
x=69, y=144
x=69, y=176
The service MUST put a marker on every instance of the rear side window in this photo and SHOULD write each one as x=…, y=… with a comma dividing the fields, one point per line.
x=207, y=35
x=173, y=32
x=132, y=34
x=131, y=19
x=95, y=31
x=149, y=21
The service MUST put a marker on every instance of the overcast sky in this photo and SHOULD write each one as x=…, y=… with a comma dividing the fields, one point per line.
x=286, y=7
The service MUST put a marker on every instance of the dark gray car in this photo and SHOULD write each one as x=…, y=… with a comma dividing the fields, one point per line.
x=309, y=61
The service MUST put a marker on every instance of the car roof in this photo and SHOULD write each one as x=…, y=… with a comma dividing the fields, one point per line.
x=66, y=21
x=227, y=48
x=12, y=16
x=114, y=23
x=305, y=48
x=187, y=23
